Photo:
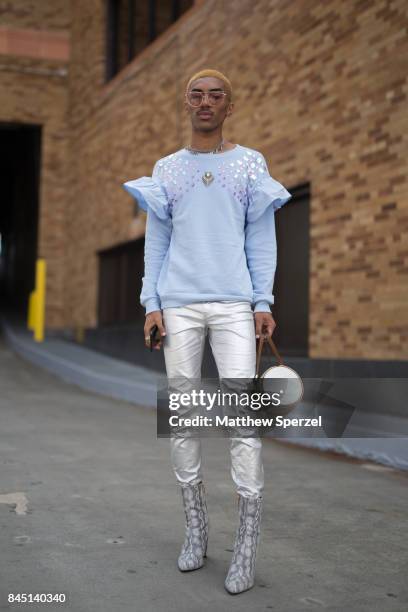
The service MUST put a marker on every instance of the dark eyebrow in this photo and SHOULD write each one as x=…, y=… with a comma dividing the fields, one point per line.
x=213, y=89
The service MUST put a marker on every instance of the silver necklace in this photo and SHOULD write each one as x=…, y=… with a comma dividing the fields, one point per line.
x=207, y=177
x=217, y=149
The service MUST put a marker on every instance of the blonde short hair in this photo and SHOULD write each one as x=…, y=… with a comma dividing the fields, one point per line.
x=212, y=73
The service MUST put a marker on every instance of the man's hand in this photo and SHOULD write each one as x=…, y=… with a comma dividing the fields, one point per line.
x=152, y=319
x=264, y=324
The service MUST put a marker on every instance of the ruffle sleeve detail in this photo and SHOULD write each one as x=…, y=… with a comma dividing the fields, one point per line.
x=266, y=192
x=149, y=192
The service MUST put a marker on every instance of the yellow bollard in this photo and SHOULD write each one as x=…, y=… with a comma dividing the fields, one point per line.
x=40, y=301
x=36, y=305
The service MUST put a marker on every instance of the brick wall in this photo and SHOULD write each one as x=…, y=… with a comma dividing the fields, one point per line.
x=34, y=53
x=320, y=89
x=49, y=15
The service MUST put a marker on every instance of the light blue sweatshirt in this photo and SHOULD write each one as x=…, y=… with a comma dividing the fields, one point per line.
x=209, y=242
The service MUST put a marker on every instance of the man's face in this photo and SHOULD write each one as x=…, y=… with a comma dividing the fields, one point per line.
x=207, y=117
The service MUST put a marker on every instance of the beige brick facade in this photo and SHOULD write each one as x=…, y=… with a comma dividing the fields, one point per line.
x=320, y=89
x=34, y=55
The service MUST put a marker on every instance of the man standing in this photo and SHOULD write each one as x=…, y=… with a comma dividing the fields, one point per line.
x=210, y=259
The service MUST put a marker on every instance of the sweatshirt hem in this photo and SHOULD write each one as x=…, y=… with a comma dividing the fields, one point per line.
x=173, y=302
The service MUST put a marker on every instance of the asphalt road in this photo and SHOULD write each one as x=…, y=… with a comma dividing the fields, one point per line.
x=89, y=508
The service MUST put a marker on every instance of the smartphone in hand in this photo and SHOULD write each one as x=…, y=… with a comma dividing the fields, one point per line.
x=154, y=337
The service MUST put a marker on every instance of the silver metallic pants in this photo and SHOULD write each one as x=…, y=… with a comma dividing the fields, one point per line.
x=231, y=331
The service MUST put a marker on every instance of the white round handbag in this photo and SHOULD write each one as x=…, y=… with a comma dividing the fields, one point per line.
x=293, y=389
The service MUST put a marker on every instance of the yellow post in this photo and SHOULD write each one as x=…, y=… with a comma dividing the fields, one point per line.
x=36, y=303
x=40, y=300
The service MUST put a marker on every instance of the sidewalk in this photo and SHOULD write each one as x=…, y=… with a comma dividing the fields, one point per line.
x=90, y=370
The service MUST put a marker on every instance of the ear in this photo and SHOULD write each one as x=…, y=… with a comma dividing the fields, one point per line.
x=230, y=109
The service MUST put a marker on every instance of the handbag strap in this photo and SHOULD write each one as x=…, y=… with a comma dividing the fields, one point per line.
x=273, y=349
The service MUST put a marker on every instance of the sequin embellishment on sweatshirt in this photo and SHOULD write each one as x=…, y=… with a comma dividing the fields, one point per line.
x=212, y=242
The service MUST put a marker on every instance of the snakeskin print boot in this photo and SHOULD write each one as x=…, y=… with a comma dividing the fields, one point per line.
x=241, y=574
x=194, y=548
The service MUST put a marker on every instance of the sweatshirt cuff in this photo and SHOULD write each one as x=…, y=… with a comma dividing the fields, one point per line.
x=262, y=306
x=152, y=304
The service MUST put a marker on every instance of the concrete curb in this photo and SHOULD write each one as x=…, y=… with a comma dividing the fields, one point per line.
x=107, y=376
